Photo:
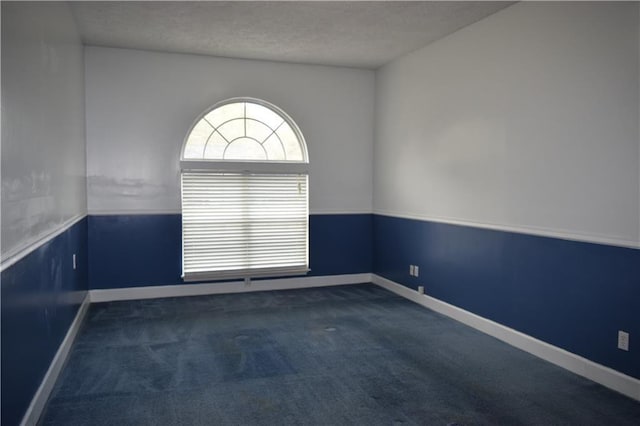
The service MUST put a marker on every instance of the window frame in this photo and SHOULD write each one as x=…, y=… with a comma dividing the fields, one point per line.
x=246, y=167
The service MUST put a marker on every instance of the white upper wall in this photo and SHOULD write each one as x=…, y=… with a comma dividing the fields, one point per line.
x=43, y=144
x=526, y=120
x=141, y=104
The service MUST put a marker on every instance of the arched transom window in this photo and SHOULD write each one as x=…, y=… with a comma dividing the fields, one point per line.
x=246, y=131
x=244, y=193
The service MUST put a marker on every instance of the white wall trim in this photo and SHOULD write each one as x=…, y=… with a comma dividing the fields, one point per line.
x=606, y=376
x=48, y=382
x=337, y=212
x=178, y=211
x=134, y=293
x=15, y=255
x=520, y=229
x=139, y=212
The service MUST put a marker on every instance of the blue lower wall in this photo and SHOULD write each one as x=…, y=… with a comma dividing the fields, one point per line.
x=145, y=250
x=41, y=295
x=573, y=295
x=340, y=244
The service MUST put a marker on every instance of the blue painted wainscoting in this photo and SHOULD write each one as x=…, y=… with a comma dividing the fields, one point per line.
x=145, y=250
x=574, y=295
x=41, y=294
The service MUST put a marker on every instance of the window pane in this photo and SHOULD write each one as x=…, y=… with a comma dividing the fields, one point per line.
x=225, y=113
x=275, y=151
x=260, y=113
x=257, y=130
x=232, y=130
x=215, y=147
x=245, y=149
x=194, y=146
x=290, y=141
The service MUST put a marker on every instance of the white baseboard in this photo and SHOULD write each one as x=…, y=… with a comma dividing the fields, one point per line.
x=48, y=382
x=605, y=376
x=134, y=293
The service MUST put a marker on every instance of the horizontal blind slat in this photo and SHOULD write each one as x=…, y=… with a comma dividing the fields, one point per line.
x=244, y=222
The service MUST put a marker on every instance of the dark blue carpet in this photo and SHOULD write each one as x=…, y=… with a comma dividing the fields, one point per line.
x=329, y=356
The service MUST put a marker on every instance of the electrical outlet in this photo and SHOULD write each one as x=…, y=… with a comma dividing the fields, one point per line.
x=416, y=271
x=411, y=270
x=421, y=289
x=623, y=340
x=74, y=261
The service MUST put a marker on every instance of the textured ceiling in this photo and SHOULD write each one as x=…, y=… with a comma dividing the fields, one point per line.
x=355, y=34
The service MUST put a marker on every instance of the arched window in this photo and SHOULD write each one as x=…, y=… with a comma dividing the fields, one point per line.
x=244, y=193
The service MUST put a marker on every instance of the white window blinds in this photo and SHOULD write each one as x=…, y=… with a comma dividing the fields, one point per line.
x=239, y=224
